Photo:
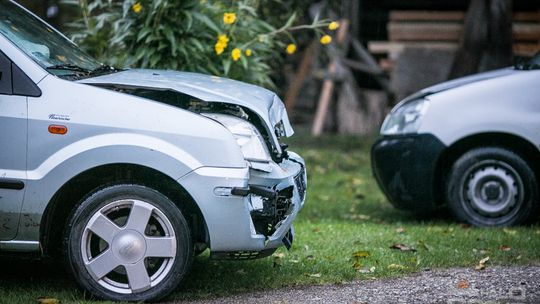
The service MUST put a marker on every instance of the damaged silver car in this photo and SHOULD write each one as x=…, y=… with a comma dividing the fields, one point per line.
x=128, y=174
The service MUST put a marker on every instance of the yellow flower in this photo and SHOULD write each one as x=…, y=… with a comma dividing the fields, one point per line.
x=137, y=7
x=291, y=48
x=248, y=52
x=219, y=48
x=229, y=18
x=326, y=39
x=333, y=26
x=236, y=54
x=223, y=39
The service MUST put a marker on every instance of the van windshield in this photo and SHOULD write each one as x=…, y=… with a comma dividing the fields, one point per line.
x=42, y=43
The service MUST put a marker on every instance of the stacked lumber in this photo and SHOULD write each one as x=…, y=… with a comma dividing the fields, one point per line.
x=443, y=30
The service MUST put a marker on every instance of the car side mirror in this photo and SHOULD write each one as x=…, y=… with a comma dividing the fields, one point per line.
x=13, y=81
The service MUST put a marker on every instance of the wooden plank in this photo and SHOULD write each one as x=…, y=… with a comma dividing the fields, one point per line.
x=526, y=32
x=526, y=16
x=424, y=31
x=450, y=32
x=393, y=49
x=526, y=49
x=456, y=16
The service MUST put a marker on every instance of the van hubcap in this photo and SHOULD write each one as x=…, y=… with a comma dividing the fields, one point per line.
x=493, y=188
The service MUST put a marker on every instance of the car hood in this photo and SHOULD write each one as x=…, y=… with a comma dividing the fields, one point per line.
x=207, y=88
x=461, y=82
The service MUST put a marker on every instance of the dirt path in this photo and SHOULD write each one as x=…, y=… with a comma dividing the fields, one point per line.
x=452, y=286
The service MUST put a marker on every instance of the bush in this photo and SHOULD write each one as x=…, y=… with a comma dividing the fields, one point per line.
x=224, y=38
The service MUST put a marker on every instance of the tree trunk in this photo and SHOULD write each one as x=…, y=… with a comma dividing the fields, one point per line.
x=487, y=38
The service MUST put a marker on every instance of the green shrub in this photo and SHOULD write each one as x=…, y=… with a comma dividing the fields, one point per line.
x=224, y=38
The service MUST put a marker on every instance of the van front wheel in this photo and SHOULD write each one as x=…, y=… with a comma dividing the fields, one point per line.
x=492, y=187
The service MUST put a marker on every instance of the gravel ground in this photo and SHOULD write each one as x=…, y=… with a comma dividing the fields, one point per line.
x=451, y=286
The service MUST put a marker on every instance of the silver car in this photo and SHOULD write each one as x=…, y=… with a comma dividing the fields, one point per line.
x=130, y=173
x=472, y=144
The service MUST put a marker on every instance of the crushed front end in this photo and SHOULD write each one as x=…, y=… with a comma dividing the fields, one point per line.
x=247, y=211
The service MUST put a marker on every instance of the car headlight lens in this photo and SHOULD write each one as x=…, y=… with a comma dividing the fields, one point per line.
x=247, y=136
x=405, y=118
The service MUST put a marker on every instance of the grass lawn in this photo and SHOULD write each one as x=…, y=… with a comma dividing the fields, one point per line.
x=344, y=233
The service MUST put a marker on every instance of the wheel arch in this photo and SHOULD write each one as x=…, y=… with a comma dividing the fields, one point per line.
x=65, y=199
x=517, y=144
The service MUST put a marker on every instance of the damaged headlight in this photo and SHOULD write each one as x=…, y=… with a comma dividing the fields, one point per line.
x=247, y=137
x=405, y=118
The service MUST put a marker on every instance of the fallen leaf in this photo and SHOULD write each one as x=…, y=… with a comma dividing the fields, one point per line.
x=504, y=248
x=465, y=226
x=48, y=301
x=482, y=264
x=357, y=266
x=424, y=245
x=463, y=284
x=396, y=266
x=315, y=275
x=357, y=182
x=294, y=261
x=316, y=230
x=361, y=254
x=402, y=247
x=241, y=271
x=510, y=231
x=366, y=269
x=400, y=230
x=279, y=255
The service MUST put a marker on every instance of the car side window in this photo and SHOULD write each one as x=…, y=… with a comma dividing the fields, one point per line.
x=13, y=81
x=6, y=87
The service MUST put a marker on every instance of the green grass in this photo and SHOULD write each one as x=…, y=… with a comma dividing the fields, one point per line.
x=345, y=214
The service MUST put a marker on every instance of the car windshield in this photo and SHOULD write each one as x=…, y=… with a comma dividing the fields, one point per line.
x=532, y=64
x=43, y=44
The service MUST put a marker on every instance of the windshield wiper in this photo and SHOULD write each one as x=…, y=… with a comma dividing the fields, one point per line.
x=68, y=67
x=104, y=69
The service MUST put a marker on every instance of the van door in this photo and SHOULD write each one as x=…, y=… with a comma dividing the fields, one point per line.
x=13, y=140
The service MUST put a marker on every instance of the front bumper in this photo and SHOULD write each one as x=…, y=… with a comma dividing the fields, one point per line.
x=228, y=212
x=405, y=169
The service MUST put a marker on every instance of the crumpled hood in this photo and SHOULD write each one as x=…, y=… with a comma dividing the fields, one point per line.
x=207, y=88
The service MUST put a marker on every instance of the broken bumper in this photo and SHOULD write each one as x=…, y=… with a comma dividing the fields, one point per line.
x=249, y=213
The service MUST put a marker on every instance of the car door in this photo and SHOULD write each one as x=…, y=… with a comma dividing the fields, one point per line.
x=13, y=140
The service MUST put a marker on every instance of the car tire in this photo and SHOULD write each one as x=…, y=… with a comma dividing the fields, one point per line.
x=128, y=243
x=492, y=187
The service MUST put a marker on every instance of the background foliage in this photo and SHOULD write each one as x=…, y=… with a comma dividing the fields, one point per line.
x=184, y=34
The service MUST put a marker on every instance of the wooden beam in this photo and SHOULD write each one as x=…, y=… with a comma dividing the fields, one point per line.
x=451, y=32
x=456, y=16
x=424, y=31
x=328, y=85
x=303, y=71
